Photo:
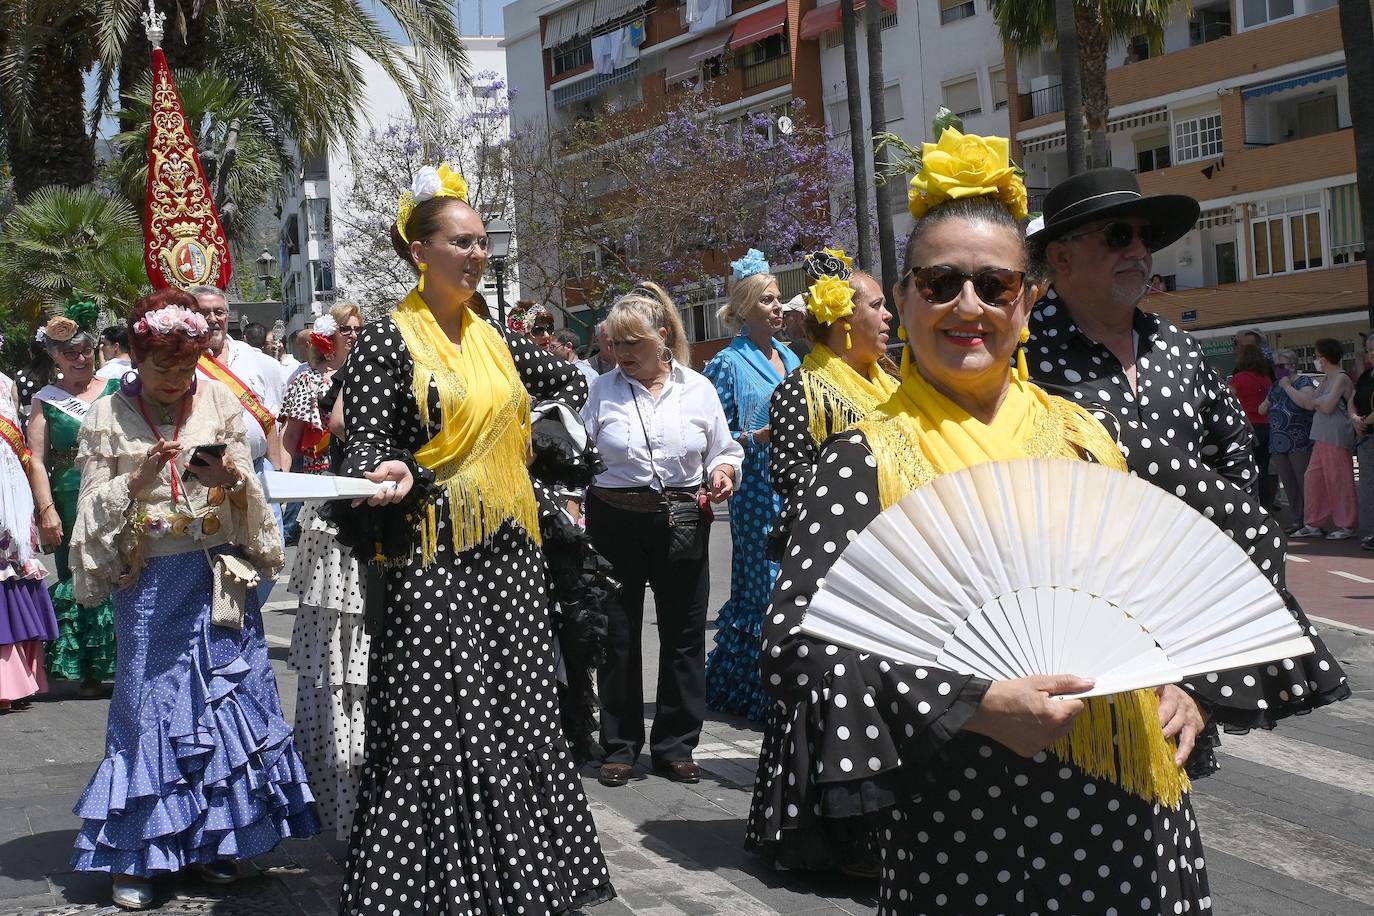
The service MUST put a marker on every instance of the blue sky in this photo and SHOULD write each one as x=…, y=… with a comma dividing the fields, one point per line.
x=476, y=17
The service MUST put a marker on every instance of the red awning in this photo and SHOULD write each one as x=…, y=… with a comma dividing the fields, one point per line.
x=824, y=18
x=760, y=25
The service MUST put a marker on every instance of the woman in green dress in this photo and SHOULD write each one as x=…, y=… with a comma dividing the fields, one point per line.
x=85, y=646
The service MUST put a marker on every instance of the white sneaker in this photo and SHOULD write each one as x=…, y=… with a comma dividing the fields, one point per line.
x=1307, y=531
x=132, y=893
x=1340, y=534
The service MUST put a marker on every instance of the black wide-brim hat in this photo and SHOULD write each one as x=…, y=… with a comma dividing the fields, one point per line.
x=1099, y=194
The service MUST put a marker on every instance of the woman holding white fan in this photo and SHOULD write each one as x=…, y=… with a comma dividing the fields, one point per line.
x=1004, y=795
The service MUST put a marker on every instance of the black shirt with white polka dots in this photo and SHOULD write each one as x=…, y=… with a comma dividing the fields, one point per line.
x=1185, y=432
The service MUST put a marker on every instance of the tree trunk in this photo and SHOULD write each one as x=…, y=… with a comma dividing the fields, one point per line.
x=857, y=147
x=1070, y=69
x=877, y=117
x=1091, y=30
x=1357, y=34
x=58, y=149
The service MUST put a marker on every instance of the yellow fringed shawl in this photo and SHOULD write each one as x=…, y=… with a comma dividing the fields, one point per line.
x=918, y=435
x=833, y=387
x=479, y=455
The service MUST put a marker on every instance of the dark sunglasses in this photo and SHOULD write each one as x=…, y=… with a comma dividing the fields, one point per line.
x=542, y=329
x=1120, y=235
x=993, y=285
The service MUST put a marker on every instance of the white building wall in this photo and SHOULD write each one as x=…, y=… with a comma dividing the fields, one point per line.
x=920, y=57
x=383, y=102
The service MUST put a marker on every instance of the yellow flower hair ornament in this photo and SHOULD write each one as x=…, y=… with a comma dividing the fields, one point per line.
x=965, y=165
x=429, y=182
x=830, y=299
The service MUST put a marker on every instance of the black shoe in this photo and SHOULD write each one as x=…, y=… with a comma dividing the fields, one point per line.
x=1367, y=543
x=614, y=775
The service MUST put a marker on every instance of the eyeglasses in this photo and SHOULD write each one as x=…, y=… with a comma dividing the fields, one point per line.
x=350, y=329
x=999, y=286
x=1120, y=235
x=77, y=352
x=542, y=329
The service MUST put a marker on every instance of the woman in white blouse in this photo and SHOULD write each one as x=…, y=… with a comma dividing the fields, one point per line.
x=661, y=431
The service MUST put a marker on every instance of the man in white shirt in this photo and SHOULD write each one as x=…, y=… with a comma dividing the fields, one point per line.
x=114, y=352
x=564, y=345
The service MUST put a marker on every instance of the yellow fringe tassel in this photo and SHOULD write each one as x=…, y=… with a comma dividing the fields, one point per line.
x=1118, y=738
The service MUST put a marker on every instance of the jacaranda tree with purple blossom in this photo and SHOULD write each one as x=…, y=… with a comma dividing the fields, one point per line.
x=474, y=139
x=623, y=196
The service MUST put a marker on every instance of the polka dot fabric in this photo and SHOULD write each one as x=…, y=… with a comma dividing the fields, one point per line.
x=793, y=820
x=1184, y=432
x=732, y=668
x=469, y=801
x=329, y=652
x=969, y=826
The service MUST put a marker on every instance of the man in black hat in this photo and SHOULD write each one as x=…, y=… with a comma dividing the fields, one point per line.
x=1174, y=417
x=1091, y=342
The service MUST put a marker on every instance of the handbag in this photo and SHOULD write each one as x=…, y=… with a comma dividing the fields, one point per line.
x=687, y=518
x=231, y=578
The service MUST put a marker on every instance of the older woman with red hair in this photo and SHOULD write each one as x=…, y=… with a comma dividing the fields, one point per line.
x=200, y=769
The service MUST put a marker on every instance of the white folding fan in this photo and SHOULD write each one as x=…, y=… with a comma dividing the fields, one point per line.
x=1039, y=566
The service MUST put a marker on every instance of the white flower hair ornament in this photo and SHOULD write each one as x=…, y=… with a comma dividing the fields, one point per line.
x=170, y=319
x=428, y=183
x=326, y=325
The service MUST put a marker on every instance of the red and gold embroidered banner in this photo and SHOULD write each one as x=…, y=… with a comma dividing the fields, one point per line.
x=183, y=239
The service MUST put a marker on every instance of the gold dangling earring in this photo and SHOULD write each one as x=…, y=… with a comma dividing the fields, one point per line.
x=848, y=344
x=423, y=267
x=1022, y=370
x=901, y=332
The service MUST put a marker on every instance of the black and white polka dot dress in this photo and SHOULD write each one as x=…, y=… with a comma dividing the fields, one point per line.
x=969, y=827
x=469, y=802
x=1184, y=431
x=329, y=652
x=793, y=821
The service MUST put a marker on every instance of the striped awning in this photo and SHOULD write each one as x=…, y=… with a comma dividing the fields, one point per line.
x=760, y=25
x=592, y=85
x=567, y=24
x=1120, y=123
x=827, y=17
x=1294, y=82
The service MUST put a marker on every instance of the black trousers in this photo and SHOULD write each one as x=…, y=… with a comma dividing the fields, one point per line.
x=636, y=544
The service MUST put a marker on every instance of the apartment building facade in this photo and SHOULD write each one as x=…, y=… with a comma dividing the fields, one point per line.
x=313, y=194
x=1247, y=109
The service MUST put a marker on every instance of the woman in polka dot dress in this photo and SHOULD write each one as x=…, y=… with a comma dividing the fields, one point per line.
x=470, y=802
x=997, y=797
x=745, y=375
x=844, y=377
x=329, y=645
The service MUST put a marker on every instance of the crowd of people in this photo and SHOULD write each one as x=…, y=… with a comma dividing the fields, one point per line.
x=1310, y=423
x=436, y=636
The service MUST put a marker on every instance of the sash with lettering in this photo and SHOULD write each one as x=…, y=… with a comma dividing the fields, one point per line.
x=14, y=438
x=220, y=373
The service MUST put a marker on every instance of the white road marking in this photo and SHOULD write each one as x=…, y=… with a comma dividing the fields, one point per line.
x=1294, y=558
x=1279, y=846
x=1340, y=625
x=1351, y=576
x=1300, y=758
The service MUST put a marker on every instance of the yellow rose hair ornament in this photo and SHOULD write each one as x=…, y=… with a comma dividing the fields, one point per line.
x=958, y=165
x=429, y=182
x=830, y=297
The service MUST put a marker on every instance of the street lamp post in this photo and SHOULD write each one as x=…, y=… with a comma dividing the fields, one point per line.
x=265, y=272
x=498, y=249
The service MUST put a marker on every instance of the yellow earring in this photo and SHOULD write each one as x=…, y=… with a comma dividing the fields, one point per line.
x=848, y=344
x=1022, y=370
x=901, y=332
x=423, y=267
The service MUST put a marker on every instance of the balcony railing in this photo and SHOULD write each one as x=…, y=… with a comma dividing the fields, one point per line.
x=767, y=71
x=1042, y=102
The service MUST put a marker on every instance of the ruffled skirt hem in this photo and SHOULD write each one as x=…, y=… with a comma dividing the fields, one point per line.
x=733, y=682
x=85, y=644
x=21, y=670
x=26, y=611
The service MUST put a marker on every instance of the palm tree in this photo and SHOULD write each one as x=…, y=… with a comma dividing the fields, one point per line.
x=854, y=97
x=1030, y=25
x=1071, y=84
x=299, y=59
x=877, y=116
x=1357, y=34
x=64, y=241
